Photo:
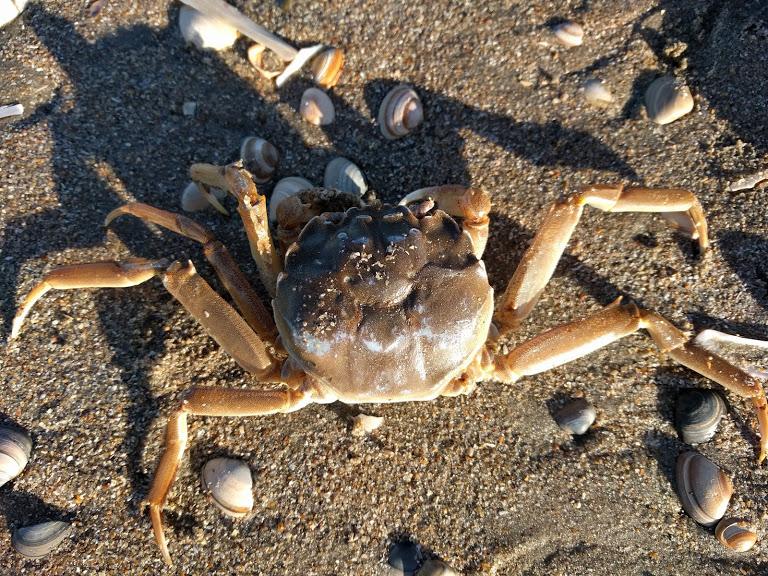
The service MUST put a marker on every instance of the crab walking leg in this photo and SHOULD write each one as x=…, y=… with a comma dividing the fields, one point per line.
x=248, y=302
x=472, y=205
x=576, y=339
x=208, y=401
x=88, y=275
x=538, y=264
x=252, y=208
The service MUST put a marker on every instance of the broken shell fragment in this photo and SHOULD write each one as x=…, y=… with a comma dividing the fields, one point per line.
x=704, y=489
x=736, y=534
x=697, y=414
x=363, y=424
x=576, y=417
x=316, y=107
x=38, y=540
x=596, y=93
x=15, y=448
x=400, y=113
x=230, y=486
x=286, y=187
x=259, y=158
x=667, y=99
x=205, y=32
x=327, y=66
x=342, y=174
x=256, y=58
x=569, y=34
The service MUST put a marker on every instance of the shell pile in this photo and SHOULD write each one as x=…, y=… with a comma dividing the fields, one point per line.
x=316, y=107
x=704, y=489
x=260, y=158
x=38, y=540
x=400, y=113
x=205, y=32
x=230, y=486
x=15, y=448
x=667, y=99
x=697, y=414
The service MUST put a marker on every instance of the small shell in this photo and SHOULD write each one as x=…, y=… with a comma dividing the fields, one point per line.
x=703, y=488
x=342, y=174
x=38, y=540
x=363, y=424
x=667, y=99
x=400, y=113
x=10, y=9
x=205, y=32
x=256, y=58
x=434, y=567
x=15, y=448
x=697, y=414
x=327, y=66
x=259, y=158
x=193, y=199
x=596, y=93
x=230, y=485
x=286, y=187
x=405, y=557
x=736, y=534
x=576, y=417
x=316, y=107
x=11, y=110
x=569, y=34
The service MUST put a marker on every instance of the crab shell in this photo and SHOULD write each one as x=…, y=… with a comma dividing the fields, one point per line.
x=379, y=305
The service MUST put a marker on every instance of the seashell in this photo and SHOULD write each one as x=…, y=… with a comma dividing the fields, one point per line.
x=433, y=567
x=363, y=424
x=193, y=199
x=286, y=187
x=11, y=110
x=576, y=416
x=400, y=113
x=205, y=32
x=405, y=557
x=327, y=66
x=259, y=158
x=256, y=58
x=596, y=93
x=15, y=448
x=38, y=540
x=703, y=488
x=10, y=9
x=230, y=485
x=667, y=99
x=569, y=33
x=736, y=534
x=316, y=107
x=697, y=414
x=342, y=174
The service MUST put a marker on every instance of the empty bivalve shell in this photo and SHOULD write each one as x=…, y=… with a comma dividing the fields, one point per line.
x=327, y=66
x=38, y=540
x=736, y=534
x=230, y=485
x=569, y=34
x=703, y=488
x=342, y=174
x=285, y=188
x=667, y=99
x=697, y=414
x=259, y=158
x=400, y=113
x=316, y=107
x=15, y=448
x=576, y=416
x=596, y=93
x=204, y=31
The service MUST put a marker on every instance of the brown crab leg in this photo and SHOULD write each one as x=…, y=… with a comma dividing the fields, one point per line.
x=230, y=274
x=252, y=208
x=533, y=273
x=208, y=401
x=576, y=339
x=471, y=205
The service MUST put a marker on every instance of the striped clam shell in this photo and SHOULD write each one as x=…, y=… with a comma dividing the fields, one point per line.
x=704, y=489
x=260, y=158
x=38, y=540
x=15, y=448
x=342, y=174
x=327, y=66
x=316, y=107
x=285, y=188
x=401, y=112
x=736, y=534
x=230, y=486
x=697, y=414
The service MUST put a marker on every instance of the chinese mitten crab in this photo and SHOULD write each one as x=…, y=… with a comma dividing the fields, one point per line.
x=382, y=303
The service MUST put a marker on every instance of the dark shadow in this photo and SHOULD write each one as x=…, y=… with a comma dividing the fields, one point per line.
x=636, y=100
x=746, y=254
x=664, y=449
x=22, y=509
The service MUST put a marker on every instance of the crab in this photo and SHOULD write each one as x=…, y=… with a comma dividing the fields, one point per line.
x=376, y=303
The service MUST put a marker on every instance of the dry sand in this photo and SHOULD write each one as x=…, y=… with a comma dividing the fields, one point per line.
x=487, y=482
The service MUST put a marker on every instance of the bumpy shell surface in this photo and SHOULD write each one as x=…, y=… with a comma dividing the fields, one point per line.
x=286, y=187
x=316, y=107
x=205, y=32
x=342, y=174
x=380, y=305
x=697, y=414
x=704, y=489
x=260, y=158
x=38, y=540
x=15, y=448
x=667, y=99
x=576, y=416
x=327, y=66
x=400, y=113
x=230, y=485
x=736, y=534
x=569, y=34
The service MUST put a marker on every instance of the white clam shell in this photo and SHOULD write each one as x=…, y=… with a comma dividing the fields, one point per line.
x=327, y=66
x=342, y=174
x=230, y=485
x=667, y=99
x=260, y=158
x=596, y=93
x=10, y=9
x=316, y=107
x=400, y=112
x=15, y=448
x=736, y=534
x=205, y=32
x=286, y=187
x=704, y=489
x=193, y=199
x=569, y=34
x=38, y=540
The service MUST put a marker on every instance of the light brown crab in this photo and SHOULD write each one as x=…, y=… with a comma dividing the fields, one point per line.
x=383, y=303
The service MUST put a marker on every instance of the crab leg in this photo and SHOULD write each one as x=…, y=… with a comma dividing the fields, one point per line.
x=570, y=341
x=208, y=401
x=679, y=207
x=236, y=283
